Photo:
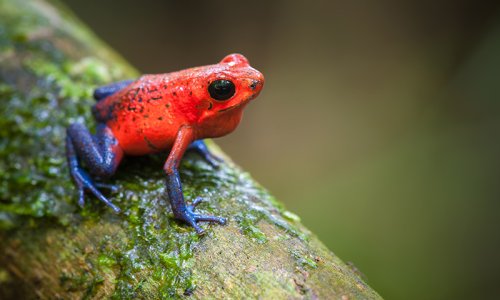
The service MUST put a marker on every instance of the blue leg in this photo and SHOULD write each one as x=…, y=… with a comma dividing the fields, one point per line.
x=106, y=90
x=201, y=149
x=182, y=211
x=100, y=153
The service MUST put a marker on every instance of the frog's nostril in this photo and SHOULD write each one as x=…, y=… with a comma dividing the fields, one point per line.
x=254, y=84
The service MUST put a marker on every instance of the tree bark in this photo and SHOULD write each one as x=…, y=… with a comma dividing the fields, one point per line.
x=51, y=249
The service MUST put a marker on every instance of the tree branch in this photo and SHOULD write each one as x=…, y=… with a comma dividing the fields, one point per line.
x=49, y=66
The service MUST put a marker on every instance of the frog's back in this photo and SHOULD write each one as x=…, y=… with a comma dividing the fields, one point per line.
x=139, y=116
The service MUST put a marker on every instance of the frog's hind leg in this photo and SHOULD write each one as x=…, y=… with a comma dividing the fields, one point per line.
x=100, y=153
x=107, y=90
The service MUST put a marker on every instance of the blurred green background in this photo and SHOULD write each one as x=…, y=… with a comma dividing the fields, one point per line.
x=379, y=124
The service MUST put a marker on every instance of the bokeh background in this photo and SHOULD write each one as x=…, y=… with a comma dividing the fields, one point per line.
x=379, y=124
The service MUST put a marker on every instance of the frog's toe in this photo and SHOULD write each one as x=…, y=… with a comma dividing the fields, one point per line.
x=193, y=218
x=112, y=188
x=200, y=231
x=206, y=218
x=100, y=196
x=84, y=182
x=195, y=203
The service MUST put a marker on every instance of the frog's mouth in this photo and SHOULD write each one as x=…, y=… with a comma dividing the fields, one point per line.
x=230, y=107
x=242, y=103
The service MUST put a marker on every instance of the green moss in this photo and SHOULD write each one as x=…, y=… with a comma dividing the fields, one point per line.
x=56, y=74
x=106, y=261
x=247, y=223
x=291, y=216
x=303, y=260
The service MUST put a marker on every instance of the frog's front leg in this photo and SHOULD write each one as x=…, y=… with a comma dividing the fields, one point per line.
x=201, y=149
x=181, y=211
x=100, y=153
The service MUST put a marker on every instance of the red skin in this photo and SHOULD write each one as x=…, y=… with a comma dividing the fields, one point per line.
x=146, y=116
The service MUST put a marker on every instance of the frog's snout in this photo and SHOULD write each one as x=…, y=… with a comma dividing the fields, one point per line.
x=255, y=86
x=257, y=83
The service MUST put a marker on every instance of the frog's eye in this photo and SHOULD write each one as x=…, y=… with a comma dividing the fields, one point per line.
x=221, y=89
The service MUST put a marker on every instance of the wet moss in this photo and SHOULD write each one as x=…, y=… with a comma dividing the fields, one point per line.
x=248, y=225
x=106, y=261
x=303, y=260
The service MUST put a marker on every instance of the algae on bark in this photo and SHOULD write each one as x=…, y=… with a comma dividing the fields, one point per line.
x=49, y=66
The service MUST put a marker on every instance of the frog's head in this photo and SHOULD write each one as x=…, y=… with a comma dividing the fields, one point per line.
x=227, y=87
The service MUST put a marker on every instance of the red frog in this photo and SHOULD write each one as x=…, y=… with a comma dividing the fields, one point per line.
x=156, y=113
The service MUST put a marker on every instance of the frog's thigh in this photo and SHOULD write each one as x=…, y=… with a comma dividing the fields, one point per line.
x=100, y=152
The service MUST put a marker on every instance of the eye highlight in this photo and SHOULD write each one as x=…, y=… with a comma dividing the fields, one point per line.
x=221, y=89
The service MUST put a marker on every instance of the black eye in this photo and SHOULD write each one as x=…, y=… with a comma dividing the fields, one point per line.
x=221, y=89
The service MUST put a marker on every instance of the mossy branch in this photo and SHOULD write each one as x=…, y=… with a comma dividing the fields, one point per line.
x=49, y=65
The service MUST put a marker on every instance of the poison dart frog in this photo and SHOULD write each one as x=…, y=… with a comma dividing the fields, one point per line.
x=161, y=112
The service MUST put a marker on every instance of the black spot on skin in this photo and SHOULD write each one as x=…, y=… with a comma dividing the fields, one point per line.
x=150, y=144
x=133, y=93
x=210, y=106
x=155, y=98
x=175, y=94
x=131, y=108
x=160, y=118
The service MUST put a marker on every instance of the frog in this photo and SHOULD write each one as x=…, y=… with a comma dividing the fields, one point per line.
x=159, y=113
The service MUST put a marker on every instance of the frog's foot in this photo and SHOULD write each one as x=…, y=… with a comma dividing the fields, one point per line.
x=201, y=149
x=84, y=183
x=192, y=218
